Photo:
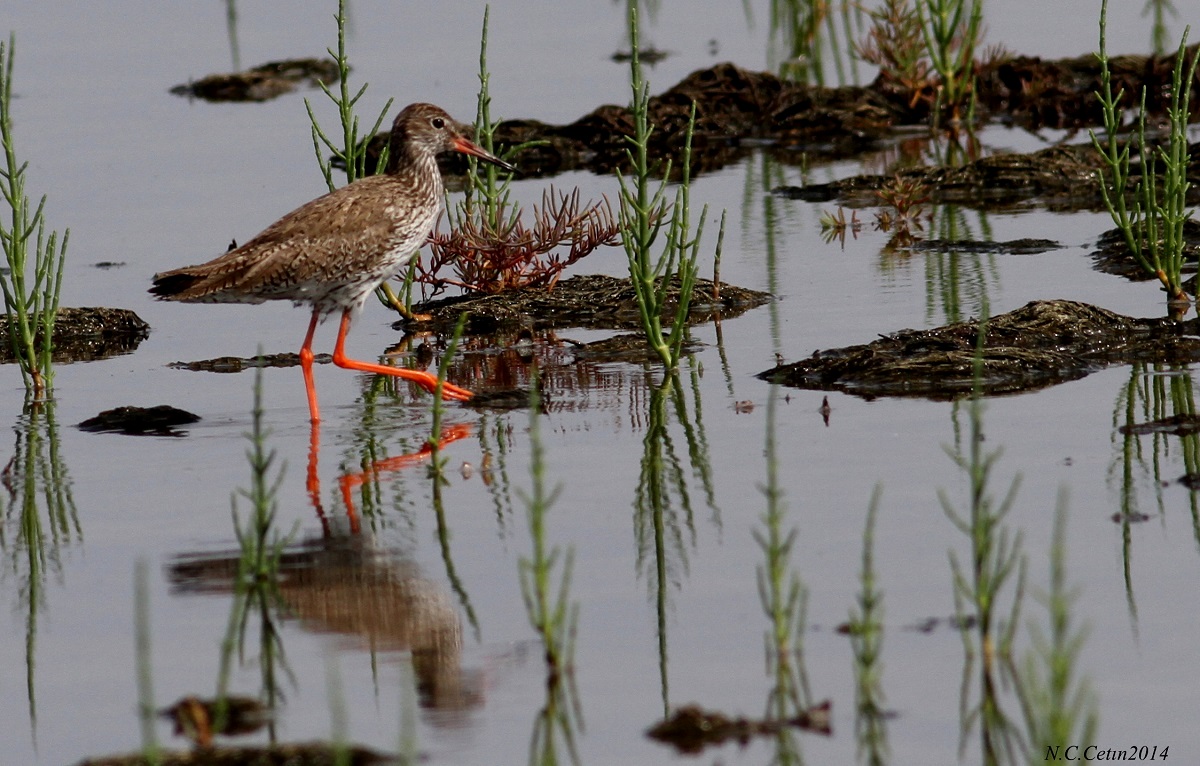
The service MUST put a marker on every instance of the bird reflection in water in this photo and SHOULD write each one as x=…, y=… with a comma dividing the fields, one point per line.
x=346, y=585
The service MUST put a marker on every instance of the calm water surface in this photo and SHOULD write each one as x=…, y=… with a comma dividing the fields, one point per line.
x=151, y=181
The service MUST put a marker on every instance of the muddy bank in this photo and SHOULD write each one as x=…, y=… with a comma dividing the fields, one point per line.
x=263, y=82
x=1040, y=344
x=1061, y=178
x=1112, y=256
x=87, y=334
x=592, y=301
x=503, y=329
x=737, y=107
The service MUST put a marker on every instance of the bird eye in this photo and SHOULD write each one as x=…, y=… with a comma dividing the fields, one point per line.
x=438, y=123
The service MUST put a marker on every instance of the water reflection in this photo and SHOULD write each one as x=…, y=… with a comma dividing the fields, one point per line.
x=576, y=375
x=368, y=454
x=664, y=520
x=989, y=587
x=40, y=520
x=545, y=577
x=784, y=597
x=339, y=582
x=957, y=283
x=495, y=439
x=782, y=592
x=1059, y=704
x=866, y=641
x=1157, y=426
x=346, y=586
x=993, y=569
x=808, y=36
x=231, y=29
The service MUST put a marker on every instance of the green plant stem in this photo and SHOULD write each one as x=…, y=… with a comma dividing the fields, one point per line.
x=642, y=216
x=31, y=306
x=353, y=150
x=950, y=43
x=1153, y=227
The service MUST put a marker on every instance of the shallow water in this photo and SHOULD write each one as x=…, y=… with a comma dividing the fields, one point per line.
x=153, y=181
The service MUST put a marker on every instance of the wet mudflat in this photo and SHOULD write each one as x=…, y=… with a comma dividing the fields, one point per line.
x=399, y=621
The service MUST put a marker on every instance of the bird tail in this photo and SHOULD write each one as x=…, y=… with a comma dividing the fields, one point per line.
x=199, y=283
x=173, y=284
x=213, y=282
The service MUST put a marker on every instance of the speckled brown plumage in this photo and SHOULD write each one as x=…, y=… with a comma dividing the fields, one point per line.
x=335, y=250
x=332, y=252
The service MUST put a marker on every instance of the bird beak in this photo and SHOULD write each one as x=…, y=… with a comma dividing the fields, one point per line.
x=466, y=146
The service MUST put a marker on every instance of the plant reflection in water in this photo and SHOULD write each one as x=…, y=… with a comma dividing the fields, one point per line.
x=39, y=521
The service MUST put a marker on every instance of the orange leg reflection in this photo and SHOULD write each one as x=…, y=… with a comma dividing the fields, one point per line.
x=347, y=482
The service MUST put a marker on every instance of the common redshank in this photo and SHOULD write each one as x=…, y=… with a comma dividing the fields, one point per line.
x=332, y=252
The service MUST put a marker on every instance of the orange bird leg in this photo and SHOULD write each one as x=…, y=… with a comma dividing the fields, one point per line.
x=306, y=363
x=421, y=378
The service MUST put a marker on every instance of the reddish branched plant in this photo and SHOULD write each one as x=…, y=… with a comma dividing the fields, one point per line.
x=493, y=259
x=895, y=45
x=906, y=197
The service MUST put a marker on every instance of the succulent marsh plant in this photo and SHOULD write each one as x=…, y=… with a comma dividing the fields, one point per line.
x=1151, y=211
x=645, y=213
x=925, y=51
x=33, y=281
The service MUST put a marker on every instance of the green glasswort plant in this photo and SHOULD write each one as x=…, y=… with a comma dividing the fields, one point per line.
x=950, y=43
x=492, y=195
x=352, y=152
x=644, y=213
x=805, y=36
x=486, y=198
x=925, y=50
x=1158, y=10
x=894, y=44
x=31, y=290
x=1153, y=226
